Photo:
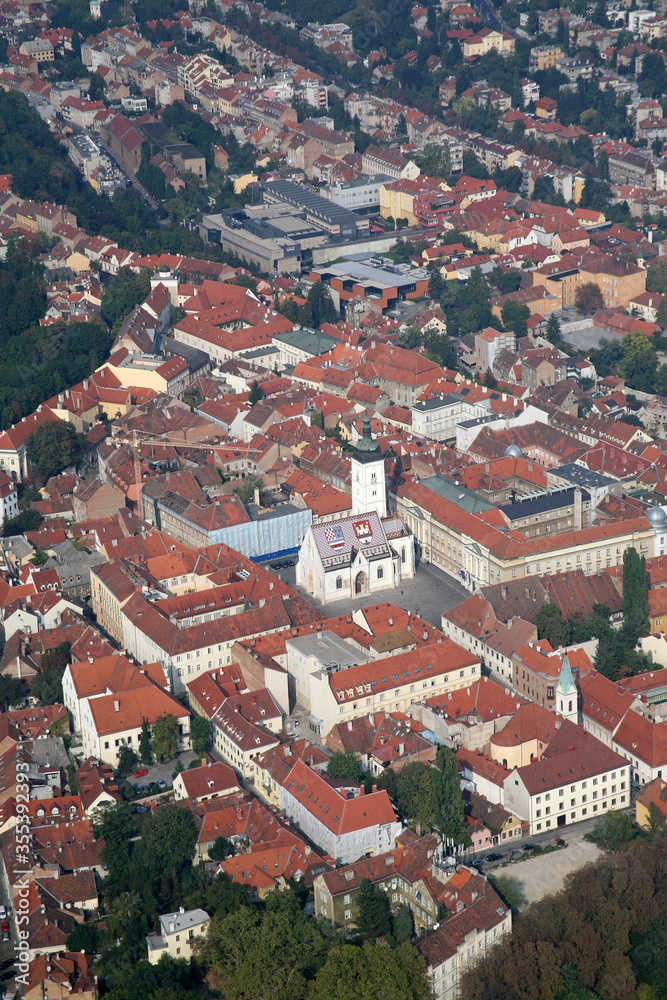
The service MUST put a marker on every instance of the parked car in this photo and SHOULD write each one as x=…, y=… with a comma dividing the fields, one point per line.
x=494, y=857
x=6, y=976
x=477, y=862
x=3, y=912
x=8, y=963
x=561, y=842
x=526, y=847
x=4, y=926
x=161, y=784
x=141, y=772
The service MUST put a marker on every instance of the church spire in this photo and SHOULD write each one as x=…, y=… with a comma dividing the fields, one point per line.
x=567, y=693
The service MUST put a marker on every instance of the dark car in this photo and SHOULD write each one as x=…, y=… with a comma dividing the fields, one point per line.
x=289, y=563
x=8, y=963
x=6, y=976
x=275, y=565
x=477, y=862
x=526, y=847
x=494, y=857
x=561, y=842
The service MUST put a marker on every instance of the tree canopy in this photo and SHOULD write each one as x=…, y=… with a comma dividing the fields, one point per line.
x=53, y=446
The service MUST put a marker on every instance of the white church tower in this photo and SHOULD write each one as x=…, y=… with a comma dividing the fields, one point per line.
x=567, y=694
x=369, y=491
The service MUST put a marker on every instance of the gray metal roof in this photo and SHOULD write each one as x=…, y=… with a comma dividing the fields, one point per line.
x=581, y=476
x=182, y=921
x=459, y=495
x=552, y=500
x=328, y=648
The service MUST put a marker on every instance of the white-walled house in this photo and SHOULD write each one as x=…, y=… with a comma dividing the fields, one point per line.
x=346, y=828
x=112, y=721
x=568, y=787
x=178, y=932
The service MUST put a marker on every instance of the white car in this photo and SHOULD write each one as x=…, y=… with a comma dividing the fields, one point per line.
x=3, y=912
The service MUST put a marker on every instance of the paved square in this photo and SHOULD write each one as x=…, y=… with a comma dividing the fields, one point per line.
x=546, y=873
x=429, y=594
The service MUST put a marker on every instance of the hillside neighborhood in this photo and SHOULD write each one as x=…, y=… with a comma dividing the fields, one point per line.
x=333, y=474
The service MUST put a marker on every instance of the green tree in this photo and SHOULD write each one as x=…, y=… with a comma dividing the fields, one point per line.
x=436, y=161
x=245, y=491
x=200, y=731
x=588, y=298
x=27, y=520
x=403, y=923
x=612, y=831
x=436, y=284
x=114, y=824
x=47, y=686
x=352, y=973
x=552, y=626
x=374, y=918
x=84, y=937
x=636, y=620
x=509, y=889
x=165, y=735
x=256, y=393
x=11, y=692
x=515, y=317
x=53, y=446
x=127, y=760
x=661, y=314
x=145, y=749
x=553, y=333
x=344, y=765
x=167, y=843
x=448, y=801
x=638, y=362
x=220, y=849
x=319, y=307
x=657, y=824
x=126, y=292
x=270, y=953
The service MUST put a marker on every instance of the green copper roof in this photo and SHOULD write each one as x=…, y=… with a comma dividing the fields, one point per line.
x=366, y=444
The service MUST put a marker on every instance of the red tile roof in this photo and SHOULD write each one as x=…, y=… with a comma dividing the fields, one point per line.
x=338, y=814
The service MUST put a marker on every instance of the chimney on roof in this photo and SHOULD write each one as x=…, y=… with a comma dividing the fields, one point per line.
x=116, y=706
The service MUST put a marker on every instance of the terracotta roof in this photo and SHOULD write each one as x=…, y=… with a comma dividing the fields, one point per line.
x=587, y=760
x=642, y=738
x=216, y=778
x=338, y=814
